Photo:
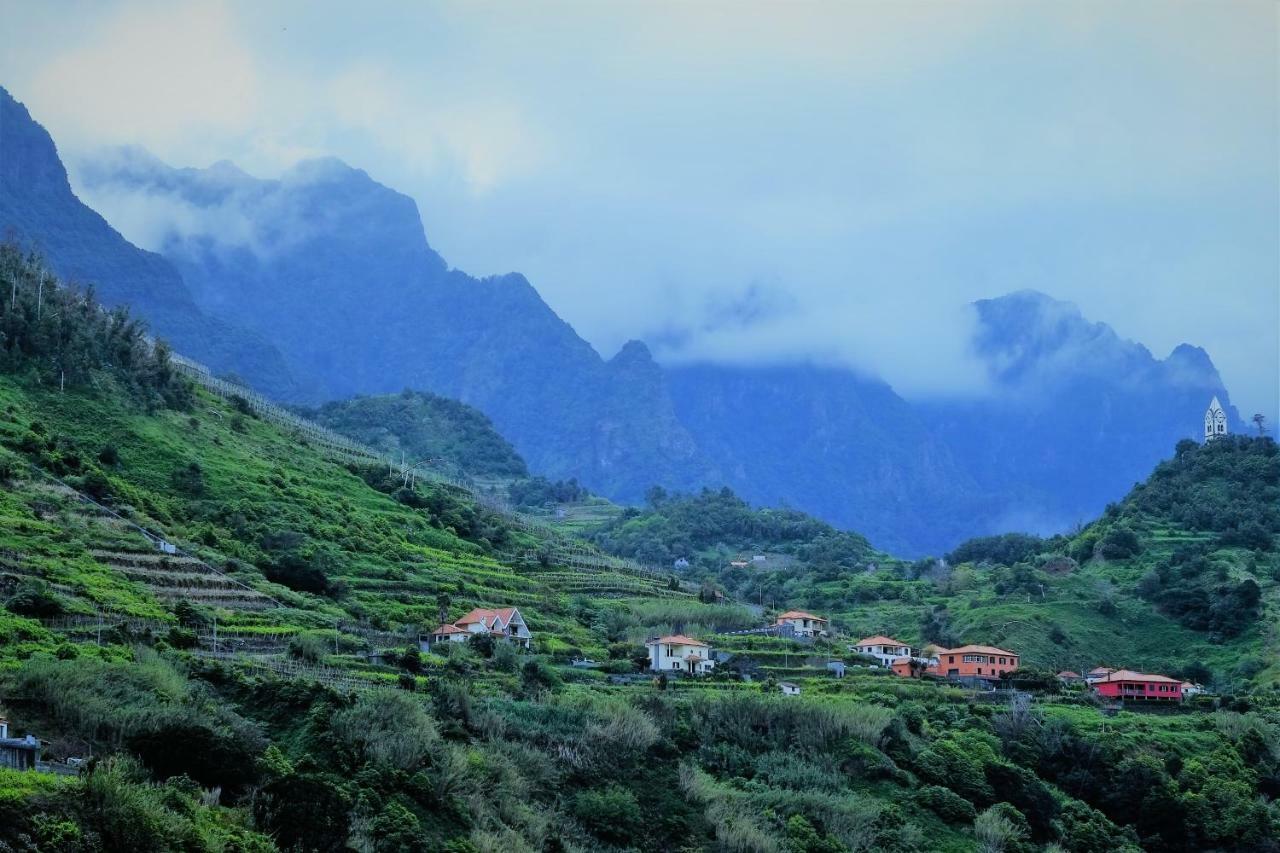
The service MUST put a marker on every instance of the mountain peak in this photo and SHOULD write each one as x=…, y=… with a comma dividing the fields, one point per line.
x=633, y=352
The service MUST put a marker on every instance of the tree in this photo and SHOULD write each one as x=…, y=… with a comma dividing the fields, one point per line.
x=1260, y=421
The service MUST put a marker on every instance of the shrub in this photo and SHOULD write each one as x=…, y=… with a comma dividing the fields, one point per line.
x=946, y=804
x=611, y=814
x=34, y=598
x=1000, y=828
x=390, y=729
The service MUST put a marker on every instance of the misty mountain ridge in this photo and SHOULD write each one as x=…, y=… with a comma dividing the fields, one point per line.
x=39, y=210
x=336, y=270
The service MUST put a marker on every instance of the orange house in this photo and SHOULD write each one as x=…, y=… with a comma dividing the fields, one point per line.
x=974, y=662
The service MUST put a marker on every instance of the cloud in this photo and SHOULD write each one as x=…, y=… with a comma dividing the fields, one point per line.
x=160, y=72
x=880, y=164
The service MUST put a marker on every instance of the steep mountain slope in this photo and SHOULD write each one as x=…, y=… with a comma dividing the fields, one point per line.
x=1076, y=414
x=834, y=444
x=39, y=210
x=336, y=269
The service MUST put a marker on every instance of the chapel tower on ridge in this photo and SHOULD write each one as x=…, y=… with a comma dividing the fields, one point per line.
x=1215, y=421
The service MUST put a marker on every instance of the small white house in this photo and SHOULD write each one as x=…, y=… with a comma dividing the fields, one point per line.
x=681, y=563
x=678, y=653
x=759, y=558
x=789, y=688
x=449, y=634
x=1190, y=688
x=805, y=624
x=884, y=649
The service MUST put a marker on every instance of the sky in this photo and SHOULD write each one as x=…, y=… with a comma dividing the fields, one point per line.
x=747, y=181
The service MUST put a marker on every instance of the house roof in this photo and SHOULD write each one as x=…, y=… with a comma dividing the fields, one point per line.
x=880, y=640
x=897, y=661
x=1066, y=673
x=787, y=684
x=448, y=629
x=978, y=650
x=1100, y=670
x=694, y=657
x=800, y=614
x=677, y=640
x=1130, y=675
x=485, y=616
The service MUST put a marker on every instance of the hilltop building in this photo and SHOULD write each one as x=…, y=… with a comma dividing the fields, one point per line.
x=1215, y=421
x=804, y=624
x=678, y=653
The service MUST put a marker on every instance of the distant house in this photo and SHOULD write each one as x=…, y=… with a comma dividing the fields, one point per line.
x=884, y=649
x=449, y=634
x=759, y=558
x=789, y=688
x=1070, y=678
x=504, y=623
x=739, y=564
x=804, y=624
x=836, y=668
x=1190, y=689
x=982, y=663
x=1140, y=686
x=681, y=563
x=1098, y=673
x=678, y=653
x=910, y=667
x=17, y=753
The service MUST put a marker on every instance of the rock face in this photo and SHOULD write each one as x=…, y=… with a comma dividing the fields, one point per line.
x=335, y=270
x=39, y=211
x=1077, y=413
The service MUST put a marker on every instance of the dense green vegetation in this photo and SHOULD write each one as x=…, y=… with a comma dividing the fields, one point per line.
x=713, y=528
x=425, y=426
x=264, y=689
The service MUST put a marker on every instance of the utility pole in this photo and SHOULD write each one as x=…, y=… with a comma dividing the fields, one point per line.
x=40, y=297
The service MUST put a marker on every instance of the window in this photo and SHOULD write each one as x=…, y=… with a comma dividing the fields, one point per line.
x=951, y=658
x=979, y=670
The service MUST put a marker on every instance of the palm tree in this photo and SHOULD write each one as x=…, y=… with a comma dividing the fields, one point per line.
x=1260, y=421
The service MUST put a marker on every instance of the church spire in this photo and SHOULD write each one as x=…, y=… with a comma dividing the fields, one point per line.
x=1215, y=420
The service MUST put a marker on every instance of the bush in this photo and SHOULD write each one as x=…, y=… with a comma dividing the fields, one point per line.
x=611, y=814
x=34, y=598
x=946, y=804
x=308, y=646
x=1119, y=543
x=390, y=729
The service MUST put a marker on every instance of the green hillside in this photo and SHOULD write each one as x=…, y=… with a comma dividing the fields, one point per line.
x=261, y=687
x=1182, y=576
x=425, y=426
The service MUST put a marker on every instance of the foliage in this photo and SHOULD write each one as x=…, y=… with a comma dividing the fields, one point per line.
x=425, y=426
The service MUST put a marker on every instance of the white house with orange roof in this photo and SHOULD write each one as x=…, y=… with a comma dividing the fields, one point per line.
x=882, y=648
x=450, y=634
x=804, y=624
x=505, y=623
x=678, y=653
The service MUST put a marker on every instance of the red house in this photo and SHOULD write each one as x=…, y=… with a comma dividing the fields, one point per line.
x=1141, y=686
